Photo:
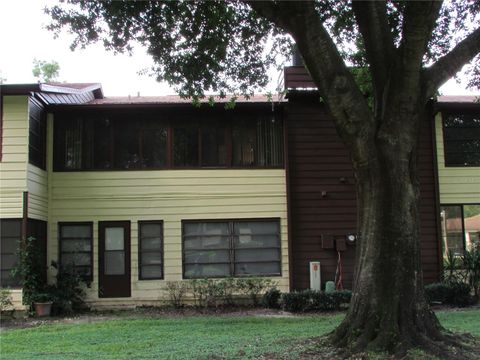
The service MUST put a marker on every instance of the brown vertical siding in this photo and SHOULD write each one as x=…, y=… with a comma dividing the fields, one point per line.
x=318, y=162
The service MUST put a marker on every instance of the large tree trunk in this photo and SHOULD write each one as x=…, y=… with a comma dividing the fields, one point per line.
x=388, y=311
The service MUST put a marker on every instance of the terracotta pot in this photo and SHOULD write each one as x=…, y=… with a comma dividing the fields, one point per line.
x=43, y=309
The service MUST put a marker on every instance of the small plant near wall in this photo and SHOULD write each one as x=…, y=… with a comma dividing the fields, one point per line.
x=176, y=291
x=254, y=287
x=69, y=290
x=5, y=301
x=471, y=264
x=31, y=270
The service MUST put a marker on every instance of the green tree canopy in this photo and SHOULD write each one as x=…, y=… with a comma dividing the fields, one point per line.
x=45, y=71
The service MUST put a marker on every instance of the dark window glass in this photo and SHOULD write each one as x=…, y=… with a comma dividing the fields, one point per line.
x=154, y=146
x=119, y=142
x=127, y=145
x=257, y=142
x=462, y=139
x=76, y=247
x=185, y=146
x=231, y=248
x=37, y=135
x=102, y=135
x=10, y=236
x=460, y=228
x=150, y=240
x=214, y=149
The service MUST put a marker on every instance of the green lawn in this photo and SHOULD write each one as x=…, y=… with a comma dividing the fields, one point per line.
x=194, y=337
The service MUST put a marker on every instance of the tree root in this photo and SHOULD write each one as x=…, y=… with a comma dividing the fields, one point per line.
x=426, y=336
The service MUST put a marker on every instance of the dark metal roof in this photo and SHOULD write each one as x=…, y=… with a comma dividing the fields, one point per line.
x=56, y=93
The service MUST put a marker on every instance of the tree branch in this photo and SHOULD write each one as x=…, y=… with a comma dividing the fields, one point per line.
x=447, y=66
x=419, y=21
x=325, y=64
x=372, y=22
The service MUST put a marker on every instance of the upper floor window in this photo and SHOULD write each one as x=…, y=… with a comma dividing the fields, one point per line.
x=37, y=134
x=462, y=139
x=93, y=142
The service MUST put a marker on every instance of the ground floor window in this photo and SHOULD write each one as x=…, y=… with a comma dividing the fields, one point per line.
x=10, y=236
x=231, y=248
x=76, y=247
x=460, y=228
x=150, y=250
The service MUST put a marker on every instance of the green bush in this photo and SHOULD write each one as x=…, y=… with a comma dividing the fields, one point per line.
x=271, y=298
x=209, y=292
x=253, y=287
x=176, y=291
x=313, y=300
x=449, y=293
x=68, y=294
x=5, y=300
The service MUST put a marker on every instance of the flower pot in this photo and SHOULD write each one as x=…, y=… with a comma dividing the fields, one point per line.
x=42, y=308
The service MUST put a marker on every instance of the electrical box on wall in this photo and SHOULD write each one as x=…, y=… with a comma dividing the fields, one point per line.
x=340, y=243
x=315, y=275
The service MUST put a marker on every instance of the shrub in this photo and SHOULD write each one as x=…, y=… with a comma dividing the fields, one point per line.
x=253, y=287
x=471, y=263
x=295, y=301
x=5, y=300
x=449, y=293
x=31, y=270
x=271, y=298
x=176, y=292
x=313, y=300
x=208, y=292
x=68, y=294
x=227, y=288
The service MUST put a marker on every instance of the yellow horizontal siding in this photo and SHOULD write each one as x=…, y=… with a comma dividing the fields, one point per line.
x=13, y=167
x=458, y=185
x=170, y=196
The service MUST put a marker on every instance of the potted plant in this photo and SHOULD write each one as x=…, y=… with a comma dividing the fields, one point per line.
x=42, y=303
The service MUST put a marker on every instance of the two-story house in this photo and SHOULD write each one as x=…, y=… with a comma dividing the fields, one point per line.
x=136, y=191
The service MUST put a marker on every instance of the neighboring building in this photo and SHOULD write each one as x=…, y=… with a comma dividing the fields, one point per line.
x=457, y=128
x=137, y=191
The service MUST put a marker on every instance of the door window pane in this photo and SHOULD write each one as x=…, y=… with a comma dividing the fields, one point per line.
x=114, y=263
x=114, y=238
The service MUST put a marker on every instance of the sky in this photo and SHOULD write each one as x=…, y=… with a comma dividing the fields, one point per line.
x=23, y=38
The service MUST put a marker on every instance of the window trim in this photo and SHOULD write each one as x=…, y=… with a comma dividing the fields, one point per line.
x=461, y=205
x=444, y=115
x=60, y=247
x=139, y=223
x=231, y=249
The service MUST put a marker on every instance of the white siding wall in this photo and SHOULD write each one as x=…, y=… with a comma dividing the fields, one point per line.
x=13, y=167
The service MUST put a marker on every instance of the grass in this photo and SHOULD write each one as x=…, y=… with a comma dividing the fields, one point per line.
x=194, y=337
